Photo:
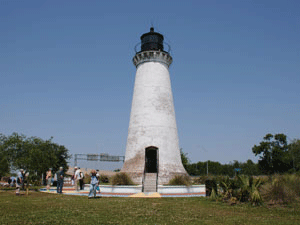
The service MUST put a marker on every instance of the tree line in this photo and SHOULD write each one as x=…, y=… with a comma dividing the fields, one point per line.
x=276, y=156
x=36, y=156
x=32, y=154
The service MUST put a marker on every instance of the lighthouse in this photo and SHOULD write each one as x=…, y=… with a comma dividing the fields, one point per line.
x=152, y=153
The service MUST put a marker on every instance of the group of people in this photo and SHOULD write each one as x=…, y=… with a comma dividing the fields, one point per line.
x=59, y=178
x=78, y=179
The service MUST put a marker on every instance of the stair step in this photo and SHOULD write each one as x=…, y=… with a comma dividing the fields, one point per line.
x=150, y=180
x=150, y=174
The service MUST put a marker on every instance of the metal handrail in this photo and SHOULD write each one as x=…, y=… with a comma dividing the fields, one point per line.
x=156, y=182
x=165, y=44
x=143, y=178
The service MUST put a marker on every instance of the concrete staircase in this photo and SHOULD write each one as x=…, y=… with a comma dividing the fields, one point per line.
x=150, y=182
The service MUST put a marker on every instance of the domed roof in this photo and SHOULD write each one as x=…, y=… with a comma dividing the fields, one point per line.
x=152, y=41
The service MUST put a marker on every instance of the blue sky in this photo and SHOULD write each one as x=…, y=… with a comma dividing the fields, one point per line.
x=66, y=71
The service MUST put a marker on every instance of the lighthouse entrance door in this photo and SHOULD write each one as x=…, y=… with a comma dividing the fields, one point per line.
x=151, y=160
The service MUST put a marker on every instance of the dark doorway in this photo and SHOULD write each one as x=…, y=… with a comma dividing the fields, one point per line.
x=151, y=160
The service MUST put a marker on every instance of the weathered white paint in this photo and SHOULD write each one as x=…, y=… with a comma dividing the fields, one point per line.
x=181, y=189
x=152, y=119
x=123, y=189
x=161, y=189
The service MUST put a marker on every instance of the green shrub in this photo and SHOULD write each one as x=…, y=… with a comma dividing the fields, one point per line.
x=255, y=197
x=293, y=182
x=5, y=178
x=201, y=179
x=121, y=179
x=87, y=179
x=242, y=188
x=213, y=196
x=281, y=189
x=103, y=179
x=34, y=180
x=180, y=180
x=229, y=187
x=244, y=184
x=226, y=189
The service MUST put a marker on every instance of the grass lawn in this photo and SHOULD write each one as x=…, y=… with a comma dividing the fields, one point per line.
x=43, y=208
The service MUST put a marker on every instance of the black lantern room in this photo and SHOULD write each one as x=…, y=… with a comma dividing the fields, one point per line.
x=152, y=41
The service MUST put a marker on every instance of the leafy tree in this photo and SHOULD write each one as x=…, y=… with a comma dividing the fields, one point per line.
x=273, y=152
x=250, y=168
x=228, y=170
x=216, y=168
x=4, y=162
x=294, y=153
x=201, y=168
x=184, y=159
x=33, y=154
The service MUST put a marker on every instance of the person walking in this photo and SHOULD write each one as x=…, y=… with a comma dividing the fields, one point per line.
x=20, y=181
x=60, y=180
x=81, y=180
x=49, y=178
x=93, y=185
x=76, y=177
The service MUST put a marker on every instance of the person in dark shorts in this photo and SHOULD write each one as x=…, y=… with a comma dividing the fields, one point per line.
x=60, y=180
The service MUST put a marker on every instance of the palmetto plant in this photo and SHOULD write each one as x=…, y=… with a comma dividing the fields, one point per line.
x=213, y=195
x=229, y=187
x=255, y=196
x=243, y=188
x=249, y=189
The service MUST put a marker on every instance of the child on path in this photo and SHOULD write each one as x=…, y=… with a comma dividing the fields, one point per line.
x=93, y=185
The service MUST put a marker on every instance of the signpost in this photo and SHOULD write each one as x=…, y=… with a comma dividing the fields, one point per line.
x=98, y=157
x=237, y=170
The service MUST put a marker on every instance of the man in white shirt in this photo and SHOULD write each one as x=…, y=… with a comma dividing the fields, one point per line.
x=76, y=177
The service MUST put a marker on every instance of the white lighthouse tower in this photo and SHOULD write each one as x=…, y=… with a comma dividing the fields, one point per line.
x=152, y=151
